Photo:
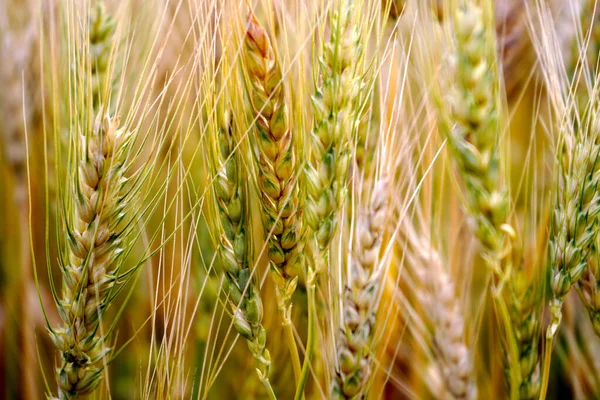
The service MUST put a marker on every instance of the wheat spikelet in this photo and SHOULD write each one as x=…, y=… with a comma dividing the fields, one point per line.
x=94, y=244
x=230, y=194
x=336, y=116
x=354, y=345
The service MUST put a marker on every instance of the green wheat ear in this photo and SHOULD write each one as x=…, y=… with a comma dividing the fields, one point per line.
x=230, y=190
x=336, y=116
x=472, y=128
x=94, y=246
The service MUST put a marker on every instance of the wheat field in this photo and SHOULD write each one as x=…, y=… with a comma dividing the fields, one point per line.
x=299, y=199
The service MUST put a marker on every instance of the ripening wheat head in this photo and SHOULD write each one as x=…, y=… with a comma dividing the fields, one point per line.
x=335, y=106
x=275, y=149
x=359, y=304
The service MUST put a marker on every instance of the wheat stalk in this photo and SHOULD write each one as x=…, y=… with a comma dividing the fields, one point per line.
x=275, y=152
x=230, y=194
x=94, y=247
x=354, y=344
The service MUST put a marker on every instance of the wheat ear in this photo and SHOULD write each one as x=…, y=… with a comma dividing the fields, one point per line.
x=473, y=136
x=94, y=244
x=275, y=154
x=442, y=306
x=335, y=118
x=244, y=294
x=575, y=219
x=453, y=356
x=354, y=344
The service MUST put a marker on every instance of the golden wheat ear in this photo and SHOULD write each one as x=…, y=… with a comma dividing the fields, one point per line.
x=354, y=352
x=275, y=159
